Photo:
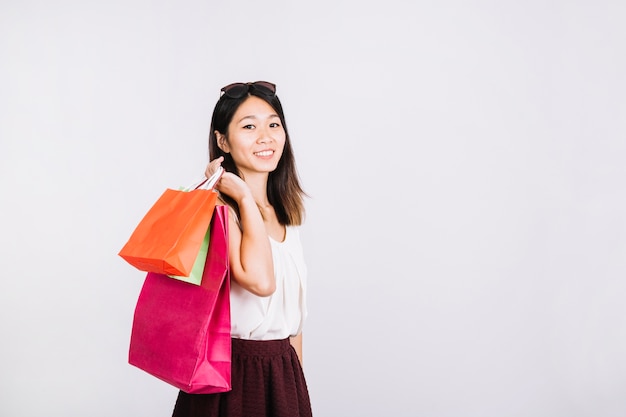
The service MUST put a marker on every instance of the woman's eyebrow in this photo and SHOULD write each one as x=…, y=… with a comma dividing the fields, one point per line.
x=253, y=117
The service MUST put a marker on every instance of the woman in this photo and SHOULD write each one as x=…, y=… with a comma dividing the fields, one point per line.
x=249, y=139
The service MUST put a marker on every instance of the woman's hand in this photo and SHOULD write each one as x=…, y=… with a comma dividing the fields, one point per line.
x=229, y=184
x=213, y=166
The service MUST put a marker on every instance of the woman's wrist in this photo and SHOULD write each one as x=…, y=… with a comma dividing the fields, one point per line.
x=246, y=201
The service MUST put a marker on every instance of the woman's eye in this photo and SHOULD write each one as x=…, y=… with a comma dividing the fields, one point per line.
x=248, y=127
x=274, y=124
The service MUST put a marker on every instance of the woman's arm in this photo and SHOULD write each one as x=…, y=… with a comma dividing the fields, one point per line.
x=250, y=251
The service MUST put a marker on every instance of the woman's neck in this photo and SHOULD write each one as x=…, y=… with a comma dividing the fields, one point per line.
x=258, y=187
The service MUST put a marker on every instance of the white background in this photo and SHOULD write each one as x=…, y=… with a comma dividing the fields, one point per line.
x=466, y=231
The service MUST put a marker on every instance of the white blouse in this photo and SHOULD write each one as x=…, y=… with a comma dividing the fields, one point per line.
x=281, y=314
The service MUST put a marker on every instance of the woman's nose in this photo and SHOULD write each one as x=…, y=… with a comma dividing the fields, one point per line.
x=264, y=135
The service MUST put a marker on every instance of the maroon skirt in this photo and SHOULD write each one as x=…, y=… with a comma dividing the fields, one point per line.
x=267, y=381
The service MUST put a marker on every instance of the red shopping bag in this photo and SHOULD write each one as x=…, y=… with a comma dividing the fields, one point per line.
x=181, y=331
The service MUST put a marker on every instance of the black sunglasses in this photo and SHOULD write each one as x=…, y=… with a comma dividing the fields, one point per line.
x=238, y=90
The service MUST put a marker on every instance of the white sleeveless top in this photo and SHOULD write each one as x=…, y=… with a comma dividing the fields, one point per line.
x=281, y=314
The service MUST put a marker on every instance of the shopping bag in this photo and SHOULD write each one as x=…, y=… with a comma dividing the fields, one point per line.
x=181, y=332
x=168, y=238
x=195, y=276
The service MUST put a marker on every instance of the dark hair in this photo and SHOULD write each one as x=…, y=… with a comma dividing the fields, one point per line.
x=284, y=191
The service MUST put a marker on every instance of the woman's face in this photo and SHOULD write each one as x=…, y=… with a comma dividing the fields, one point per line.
x=256, y=137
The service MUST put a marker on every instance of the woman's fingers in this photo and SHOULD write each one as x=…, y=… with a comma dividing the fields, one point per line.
x=233, y=186
x=213, y=166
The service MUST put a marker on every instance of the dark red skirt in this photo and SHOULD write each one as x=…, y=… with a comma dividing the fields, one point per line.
x=267, y=381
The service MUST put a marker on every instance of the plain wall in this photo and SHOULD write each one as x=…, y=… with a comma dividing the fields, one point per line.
x=466, y=231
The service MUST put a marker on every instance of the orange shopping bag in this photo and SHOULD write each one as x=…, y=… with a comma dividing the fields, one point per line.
x=168, y=238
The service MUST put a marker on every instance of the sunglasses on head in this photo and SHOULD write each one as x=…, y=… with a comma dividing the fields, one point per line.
x=238, y=90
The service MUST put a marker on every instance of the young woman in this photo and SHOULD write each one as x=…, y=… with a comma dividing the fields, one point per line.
x=249, y=139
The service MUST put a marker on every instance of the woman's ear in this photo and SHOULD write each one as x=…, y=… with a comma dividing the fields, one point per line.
x=222, y=142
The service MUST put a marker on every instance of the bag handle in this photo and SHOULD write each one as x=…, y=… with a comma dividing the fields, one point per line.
x=208, y=183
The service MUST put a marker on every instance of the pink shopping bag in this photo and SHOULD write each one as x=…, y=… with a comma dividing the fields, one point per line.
x=181, y=331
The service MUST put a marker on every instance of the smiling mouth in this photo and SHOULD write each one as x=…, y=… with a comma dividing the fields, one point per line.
x=264, y=153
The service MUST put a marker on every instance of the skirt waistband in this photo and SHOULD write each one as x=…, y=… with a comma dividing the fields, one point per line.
x=243, y=347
